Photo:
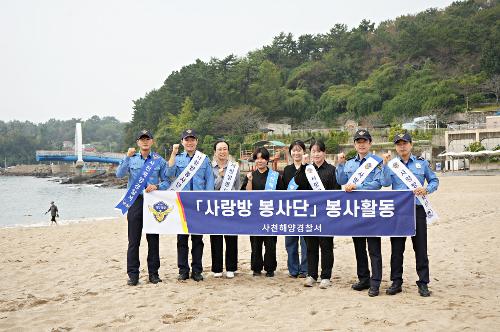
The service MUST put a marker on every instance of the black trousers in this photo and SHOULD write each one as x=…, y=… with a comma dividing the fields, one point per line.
x=134, y=218
x=327, y=258
x=375, y=252
x=183, y=253
x=419, y=246
x=216, y=245
x=269, y=262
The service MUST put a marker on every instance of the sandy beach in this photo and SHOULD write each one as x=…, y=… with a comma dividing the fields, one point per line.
x=73, y=277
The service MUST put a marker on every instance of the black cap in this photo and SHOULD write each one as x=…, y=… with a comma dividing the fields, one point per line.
x=143, y=133
x=402, y=137
x=362, y=133
x=189, y=133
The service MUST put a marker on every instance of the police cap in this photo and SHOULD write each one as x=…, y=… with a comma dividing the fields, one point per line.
x=189, y=133
x=402, y=137
x=362, y=133
x=144, y=133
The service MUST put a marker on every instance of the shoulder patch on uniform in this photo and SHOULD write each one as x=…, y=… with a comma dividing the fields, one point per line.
x=379, y=167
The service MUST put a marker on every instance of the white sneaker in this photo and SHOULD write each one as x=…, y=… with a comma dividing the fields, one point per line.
x=218, y=275
x=230, y=274
x=325, y=283
x=309, y=282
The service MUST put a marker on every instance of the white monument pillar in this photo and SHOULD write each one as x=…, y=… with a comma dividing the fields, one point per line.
x=78, y=145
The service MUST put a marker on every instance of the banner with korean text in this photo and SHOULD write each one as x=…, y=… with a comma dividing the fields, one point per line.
x=313, y=213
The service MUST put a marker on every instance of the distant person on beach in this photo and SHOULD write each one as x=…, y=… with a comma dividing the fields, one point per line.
x=132, y=165
x=54, y=212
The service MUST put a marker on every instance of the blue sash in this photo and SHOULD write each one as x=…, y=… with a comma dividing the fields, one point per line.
x=272, y=180
x=292, y=185
x=138, y=185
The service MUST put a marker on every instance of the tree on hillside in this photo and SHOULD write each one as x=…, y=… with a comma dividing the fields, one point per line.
x=170, y=129
x=334, y=102
x=238, y=121
x=266, y=92
x=492, y=85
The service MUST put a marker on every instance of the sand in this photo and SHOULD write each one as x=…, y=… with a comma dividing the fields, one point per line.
x=73, y=277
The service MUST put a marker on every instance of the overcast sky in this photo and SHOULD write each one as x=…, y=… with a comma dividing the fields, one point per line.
x=73, y=59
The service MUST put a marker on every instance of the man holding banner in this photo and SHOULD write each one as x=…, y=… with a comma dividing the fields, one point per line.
x=363, y=172
x=410, y=172
x=147, y=172
x=263, y=178
x=192, y=172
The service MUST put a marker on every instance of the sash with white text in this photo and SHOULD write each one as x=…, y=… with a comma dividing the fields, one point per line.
x=229, y=176
x=313, y=178
x=409, y=179
x=362, y=172
x=139, y=183
x=188, y=173
x=272, y=180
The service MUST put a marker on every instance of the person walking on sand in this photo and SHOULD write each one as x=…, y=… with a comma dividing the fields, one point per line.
x=54, y=212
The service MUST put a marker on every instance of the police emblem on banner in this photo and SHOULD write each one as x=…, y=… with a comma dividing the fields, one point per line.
x=160, y=210
x=368, y=165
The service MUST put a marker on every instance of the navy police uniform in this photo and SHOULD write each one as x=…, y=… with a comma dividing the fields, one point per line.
x=422, y=171
x=132, y=166
x=203, y=179
x=371, y=182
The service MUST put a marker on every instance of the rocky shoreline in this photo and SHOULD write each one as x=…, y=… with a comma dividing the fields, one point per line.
x=103, y=179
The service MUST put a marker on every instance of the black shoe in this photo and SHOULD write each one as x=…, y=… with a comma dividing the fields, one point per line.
x=423, y=290
x=133, y=281
x=197, y=276
x=302, y=275
x=183, y=276
x=257, y=273
x=361, y=285
x=270, y=274
x=154, y=279
x=293, y=275
x=373, y=291
x=394, y=289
